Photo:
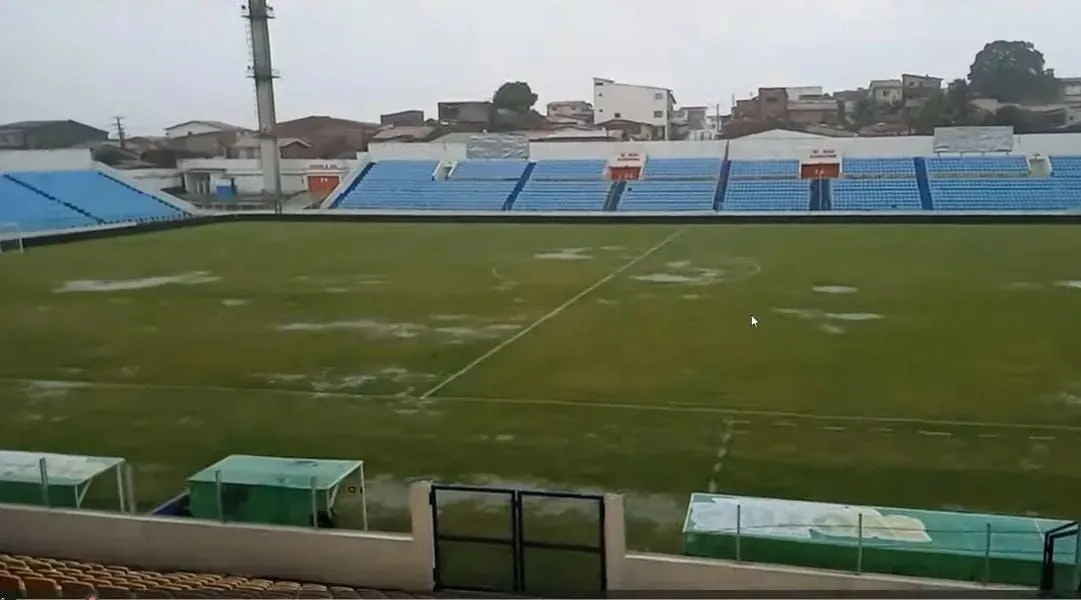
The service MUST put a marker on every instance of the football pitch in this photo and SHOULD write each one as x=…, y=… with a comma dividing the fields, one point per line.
x=922, y=366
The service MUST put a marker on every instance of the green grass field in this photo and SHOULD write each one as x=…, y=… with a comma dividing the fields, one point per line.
x=933, y=366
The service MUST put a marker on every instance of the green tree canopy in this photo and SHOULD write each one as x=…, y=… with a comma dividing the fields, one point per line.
x=515, y=95
x=1012, y=72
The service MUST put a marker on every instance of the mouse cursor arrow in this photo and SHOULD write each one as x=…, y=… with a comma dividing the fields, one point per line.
x=754, y=321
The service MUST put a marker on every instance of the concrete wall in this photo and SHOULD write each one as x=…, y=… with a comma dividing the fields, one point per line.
x=373, y=560
x=156, y=179
x=434, y=151
x=45, y=160
x=767, y=145
x=248, y=175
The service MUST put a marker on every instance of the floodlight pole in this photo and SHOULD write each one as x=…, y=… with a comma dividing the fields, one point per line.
x=261, y=71
x=44, y=471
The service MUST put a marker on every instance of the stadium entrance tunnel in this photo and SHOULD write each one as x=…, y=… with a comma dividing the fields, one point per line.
x=522, y=542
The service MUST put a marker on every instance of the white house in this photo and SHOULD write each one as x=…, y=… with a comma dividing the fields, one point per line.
x=198, y=127
x=887, y=91
x=645, y=104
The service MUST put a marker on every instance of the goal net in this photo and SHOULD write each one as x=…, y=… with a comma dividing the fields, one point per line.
x=11, y=238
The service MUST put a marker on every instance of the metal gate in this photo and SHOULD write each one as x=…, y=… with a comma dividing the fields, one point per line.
x=499, y=540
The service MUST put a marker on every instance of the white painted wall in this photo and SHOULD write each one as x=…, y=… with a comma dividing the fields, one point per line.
x=435, y=151
x=157, y=179
x=660, y=149
x=46, y=160
x=249, y=177
x=639, y=103
x=190, y=129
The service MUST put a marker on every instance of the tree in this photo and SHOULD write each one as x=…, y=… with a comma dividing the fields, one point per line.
x=514, y=95
x=1012, y=72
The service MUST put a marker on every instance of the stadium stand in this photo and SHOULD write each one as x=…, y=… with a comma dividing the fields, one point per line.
x=98, y=195
x=1066, y=166
x=878, y=167
x=875, y=194
x=767, y=195
x=410, y=185
x=673, y=184
x=977, y=166
x=565, y=185
x=763, y=169
x=1006, y=194
x=34, y=212
x=29, y=577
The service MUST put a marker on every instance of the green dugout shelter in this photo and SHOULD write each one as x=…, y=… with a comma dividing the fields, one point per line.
x=274, y=490
x=59, y=480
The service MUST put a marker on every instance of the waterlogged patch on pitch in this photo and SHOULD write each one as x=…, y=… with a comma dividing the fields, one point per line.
x=723, y=270
x=52, y=389
x=234, y=302
x=123, y=285
x=372, y=327
x=854, y=316
x=1073, y=284
x=459, y=332
x=832, y=329
x=327, y=381
x=835, y=289
x=564, y=254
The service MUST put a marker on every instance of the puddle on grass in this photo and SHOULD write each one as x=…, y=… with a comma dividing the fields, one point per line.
x=449, y=334
x=853, y=316
x=683, y=272
x=1074, y=284
x=564, y=254
x=233, y=302
x=328, y=381
x=117, y=285
x=51, y=389
x=835, y=289
x=832, y=329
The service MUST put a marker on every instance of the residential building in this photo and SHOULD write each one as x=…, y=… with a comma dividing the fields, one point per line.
x=468, y=112
x=207, y=144
x=248, y=147
x=578, y=111
x=329, y=137
x=48, y=135
x=1071, y=89
x=887, y=91
x=813, y=111
x=199, y=128
x=648, y=105
x=634, y=130
x=411, y=118
x=804, y=91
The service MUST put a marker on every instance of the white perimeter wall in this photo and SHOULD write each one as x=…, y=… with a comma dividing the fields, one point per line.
x=45, y=160
x=248, y=175
x=156, y=179
x=770, y=145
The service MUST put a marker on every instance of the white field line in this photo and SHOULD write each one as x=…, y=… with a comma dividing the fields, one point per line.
x=587, y=404
x=550, y=315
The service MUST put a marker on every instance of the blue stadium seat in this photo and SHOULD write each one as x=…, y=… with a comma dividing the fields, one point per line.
x=562, y=195
x=682, y=168
x=409, y=185
x=567, y=170
x=982, y=166
x=33, y=212
x=490, y=169
x=763, y=169
x=1006, y=194
x=767, y=195
x=1066, y=166
x=875, y=194
x=662, y=196
x=99, y=195
x=878, y=167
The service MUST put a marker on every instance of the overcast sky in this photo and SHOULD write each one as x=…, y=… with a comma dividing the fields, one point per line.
x=160, y=62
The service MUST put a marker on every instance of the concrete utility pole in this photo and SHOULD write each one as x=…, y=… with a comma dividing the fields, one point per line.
x=258, y=15
x=121, y=135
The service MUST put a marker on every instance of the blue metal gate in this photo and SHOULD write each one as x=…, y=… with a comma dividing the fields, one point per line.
x=495, y=540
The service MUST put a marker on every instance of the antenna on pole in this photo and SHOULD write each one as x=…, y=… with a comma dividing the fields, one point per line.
x=121, y=135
